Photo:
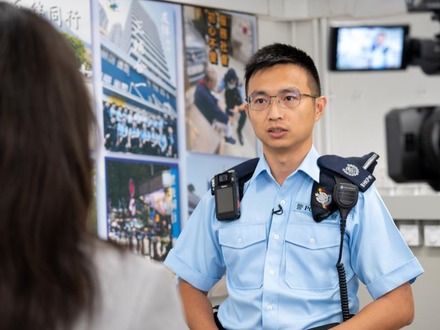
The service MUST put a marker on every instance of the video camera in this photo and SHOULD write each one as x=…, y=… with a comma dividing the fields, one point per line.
x=413, y=145
x=413, y=133
x=385, y=47
x=425, y=52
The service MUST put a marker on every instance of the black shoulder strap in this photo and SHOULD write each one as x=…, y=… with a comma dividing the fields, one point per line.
x=357, y=170
x=243, y=173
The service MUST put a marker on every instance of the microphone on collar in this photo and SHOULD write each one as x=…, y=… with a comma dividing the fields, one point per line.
x=279, y=211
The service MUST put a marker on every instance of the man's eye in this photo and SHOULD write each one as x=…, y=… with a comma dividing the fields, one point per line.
x=260, y=100
x=291, y=97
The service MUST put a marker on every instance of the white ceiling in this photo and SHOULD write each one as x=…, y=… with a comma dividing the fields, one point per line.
x=288, y=10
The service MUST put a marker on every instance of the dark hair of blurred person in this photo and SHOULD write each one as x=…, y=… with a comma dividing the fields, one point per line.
x=50, y=277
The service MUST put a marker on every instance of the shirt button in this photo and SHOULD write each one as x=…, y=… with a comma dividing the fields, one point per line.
x=269, y=308
x=283, y=202
x=312, y=241
x=276, y=236
x=271, y=272
x=239, y=240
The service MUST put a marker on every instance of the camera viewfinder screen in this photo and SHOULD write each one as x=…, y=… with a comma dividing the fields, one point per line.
x=369, y=48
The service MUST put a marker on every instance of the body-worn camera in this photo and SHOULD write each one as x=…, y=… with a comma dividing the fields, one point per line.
x=226, y=191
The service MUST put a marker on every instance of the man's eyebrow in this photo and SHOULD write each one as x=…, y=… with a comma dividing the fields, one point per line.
x=257, y=92
x=288, y=89
x=283, y=90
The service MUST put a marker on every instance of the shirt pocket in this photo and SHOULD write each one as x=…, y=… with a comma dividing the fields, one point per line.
x=311, y=253
x=244, y=249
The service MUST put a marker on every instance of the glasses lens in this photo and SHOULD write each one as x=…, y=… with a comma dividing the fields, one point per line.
x=290, y=99
x=259, y=102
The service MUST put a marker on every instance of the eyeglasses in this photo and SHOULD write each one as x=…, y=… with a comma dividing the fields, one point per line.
x=287, y=99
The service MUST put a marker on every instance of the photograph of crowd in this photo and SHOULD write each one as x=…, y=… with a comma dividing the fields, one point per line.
x=142, y=206
x=139, y=131
x=138, y=63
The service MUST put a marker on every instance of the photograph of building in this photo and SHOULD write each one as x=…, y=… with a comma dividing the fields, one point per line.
x=139, y=78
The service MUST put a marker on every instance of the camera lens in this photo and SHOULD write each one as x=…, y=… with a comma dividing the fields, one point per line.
x=223, y=178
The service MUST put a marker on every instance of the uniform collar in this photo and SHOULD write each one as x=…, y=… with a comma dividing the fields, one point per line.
x=309, y=165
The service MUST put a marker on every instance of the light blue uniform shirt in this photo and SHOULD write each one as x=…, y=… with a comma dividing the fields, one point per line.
x=280, y=269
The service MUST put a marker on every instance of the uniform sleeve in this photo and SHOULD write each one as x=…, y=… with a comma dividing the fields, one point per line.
x=379, y=255
x=196, y=256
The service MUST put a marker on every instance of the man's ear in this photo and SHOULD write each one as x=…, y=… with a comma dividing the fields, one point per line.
x=246, y=109
x=320, y=104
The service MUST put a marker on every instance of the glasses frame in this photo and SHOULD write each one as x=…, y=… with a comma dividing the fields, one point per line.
x=280, y=102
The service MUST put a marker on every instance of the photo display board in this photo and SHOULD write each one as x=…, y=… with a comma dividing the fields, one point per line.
x=143, y=62
x=140, y=112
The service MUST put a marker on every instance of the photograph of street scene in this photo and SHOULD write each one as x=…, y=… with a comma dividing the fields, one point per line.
x=142, y=206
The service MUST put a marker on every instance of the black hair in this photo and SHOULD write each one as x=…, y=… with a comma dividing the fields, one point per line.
x=278, y=53
x=230, y=75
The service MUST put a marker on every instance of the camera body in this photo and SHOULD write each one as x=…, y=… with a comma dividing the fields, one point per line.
x=226, y=193
x=422, y=5
x=425, y=53
x=413, y=145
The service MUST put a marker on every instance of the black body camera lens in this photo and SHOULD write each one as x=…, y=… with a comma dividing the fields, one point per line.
x=223, y=178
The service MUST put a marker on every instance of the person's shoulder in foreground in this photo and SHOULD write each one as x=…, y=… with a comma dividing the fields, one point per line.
x=53, y=274
x=135, y=293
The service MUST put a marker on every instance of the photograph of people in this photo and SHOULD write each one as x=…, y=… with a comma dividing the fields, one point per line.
x=235, y=99
x=142, y=206
x=217, y=44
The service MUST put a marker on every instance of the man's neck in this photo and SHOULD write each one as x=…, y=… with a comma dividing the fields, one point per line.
x=283, y=164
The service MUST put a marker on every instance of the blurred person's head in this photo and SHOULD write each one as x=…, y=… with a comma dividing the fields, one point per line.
x=46, y=121
x=231, y=78
x=210, y=77
x=380, y=39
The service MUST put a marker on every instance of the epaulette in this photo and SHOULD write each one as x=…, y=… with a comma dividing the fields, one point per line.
x=357, y=170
